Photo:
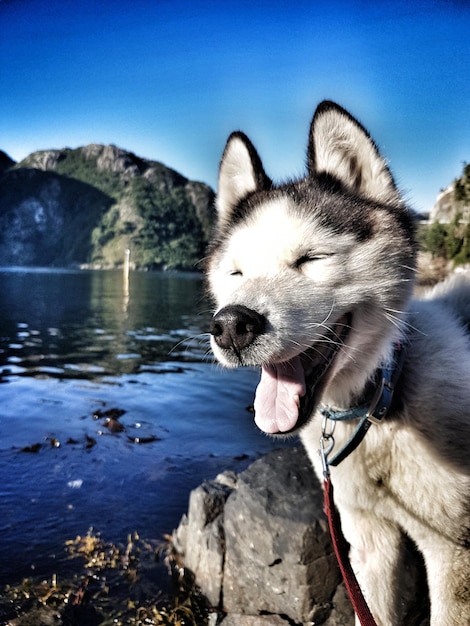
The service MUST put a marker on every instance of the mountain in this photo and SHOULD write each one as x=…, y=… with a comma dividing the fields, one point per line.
x=88, y=205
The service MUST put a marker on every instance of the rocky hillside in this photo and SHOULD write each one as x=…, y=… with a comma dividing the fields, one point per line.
x=454, y=200
x=88, y=205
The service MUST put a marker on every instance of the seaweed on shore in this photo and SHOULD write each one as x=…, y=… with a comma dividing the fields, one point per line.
x=136, y=584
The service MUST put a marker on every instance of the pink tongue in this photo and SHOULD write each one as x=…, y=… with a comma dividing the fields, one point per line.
x=276, y=400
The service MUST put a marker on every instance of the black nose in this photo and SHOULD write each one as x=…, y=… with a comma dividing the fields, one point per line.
x=236, y=327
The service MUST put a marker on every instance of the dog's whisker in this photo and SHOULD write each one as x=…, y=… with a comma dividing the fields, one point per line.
x=399, y=322
x=323, y=340
x=200, y=338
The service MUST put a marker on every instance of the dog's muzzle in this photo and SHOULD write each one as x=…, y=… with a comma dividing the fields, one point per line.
x=289, y=389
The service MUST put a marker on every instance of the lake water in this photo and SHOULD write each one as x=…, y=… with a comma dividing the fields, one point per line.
x=73, y=346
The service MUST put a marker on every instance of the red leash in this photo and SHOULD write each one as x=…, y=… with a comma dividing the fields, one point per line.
x=387, y=377
x=341, y=549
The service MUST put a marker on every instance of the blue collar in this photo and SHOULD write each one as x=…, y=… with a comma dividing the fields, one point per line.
x=372, y=412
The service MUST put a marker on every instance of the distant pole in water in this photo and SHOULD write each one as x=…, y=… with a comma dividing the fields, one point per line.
x=126, y=268
x=127, y=257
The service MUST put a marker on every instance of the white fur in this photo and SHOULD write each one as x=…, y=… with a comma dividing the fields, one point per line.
x=236, y=176
x=342, y=149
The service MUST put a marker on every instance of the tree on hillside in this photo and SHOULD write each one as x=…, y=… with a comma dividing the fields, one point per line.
x=434, y=239
x=462, y=186
x=449, y=241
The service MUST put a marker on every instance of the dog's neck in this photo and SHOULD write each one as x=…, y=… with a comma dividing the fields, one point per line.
x=380, y=398
x=356, y=381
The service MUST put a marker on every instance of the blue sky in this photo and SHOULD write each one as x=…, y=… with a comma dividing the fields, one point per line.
x=170, y=80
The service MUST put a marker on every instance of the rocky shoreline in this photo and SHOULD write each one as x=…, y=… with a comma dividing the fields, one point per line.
x=253, y=550
x=259, y=547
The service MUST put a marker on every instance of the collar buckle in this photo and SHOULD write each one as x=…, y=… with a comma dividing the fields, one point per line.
x=381, y=401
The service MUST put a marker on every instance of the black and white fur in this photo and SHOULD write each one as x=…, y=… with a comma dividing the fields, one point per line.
x=313, y=281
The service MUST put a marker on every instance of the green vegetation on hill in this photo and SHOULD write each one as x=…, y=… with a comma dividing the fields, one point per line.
x=88, y=205
x=73, y=164
x=451, y=241
x=462, y=186
x=171, y=234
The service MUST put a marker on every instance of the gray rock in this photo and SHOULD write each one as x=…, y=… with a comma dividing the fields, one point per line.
x=204, y=537
x=259, y=545
x=255, y=620
x=446, y=208
x=276, y=533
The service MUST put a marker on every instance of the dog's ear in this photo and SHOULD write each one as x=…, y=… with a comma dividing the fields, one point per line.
x=241, y=172
x=341, y=147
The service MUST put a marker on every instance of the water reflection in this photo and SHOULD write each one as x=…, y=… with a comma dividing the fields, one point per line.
x=68, y=323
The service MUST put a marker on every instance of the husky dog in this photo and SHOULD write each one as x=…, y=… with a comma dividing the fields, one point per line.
x=313, y=282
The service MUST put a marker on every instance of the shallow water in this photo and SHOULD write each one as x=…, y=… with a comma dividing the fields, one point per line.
x=74, y=345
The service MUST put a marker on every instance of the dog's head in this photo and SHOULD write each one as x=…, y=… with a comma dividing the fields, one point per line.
x=310, y=277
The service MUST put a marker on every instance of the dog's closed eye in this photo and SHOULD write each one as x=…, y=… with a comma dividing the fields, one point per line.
x=310, y=257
